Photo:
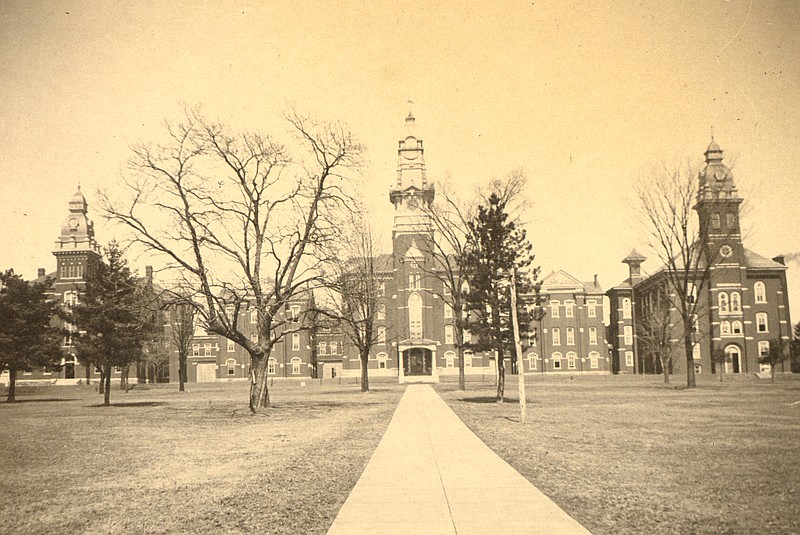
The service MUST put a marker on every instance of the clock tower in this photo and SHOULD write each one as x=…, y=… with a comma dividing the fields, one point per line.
x=412, y=239
x=717, y=206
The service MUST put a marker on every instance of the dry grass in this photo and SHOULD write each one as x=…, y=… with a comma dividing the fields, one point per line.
x=161, y=461
x=630, y=455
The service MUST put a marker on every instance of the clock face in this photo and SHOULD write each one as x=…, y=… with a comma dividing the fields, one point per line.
x=719, y=174
x=73, y=223
x=726, y=251
x=410, y=154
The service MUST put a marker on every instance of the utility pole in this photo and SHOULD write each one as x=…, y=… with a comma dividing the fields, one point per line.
x=518, y=345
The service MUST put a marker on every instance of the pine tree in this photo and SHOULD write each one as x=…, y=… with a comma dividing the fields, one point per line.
x=27, y=337
x=496, y=246
x=111, y=318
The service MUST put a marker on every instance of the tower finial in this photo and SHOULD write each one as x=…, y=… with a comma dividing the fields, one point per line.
x=712, y=132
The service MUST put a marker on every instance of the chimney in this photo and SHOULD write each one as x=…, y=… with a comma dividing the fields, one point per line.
x=596, y=283
x=148, y=273
x=41, y=272
x=780, y=259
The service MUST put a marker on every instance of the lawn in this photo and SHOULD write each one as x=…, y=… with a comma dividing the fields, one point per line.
x=163, y=461
x=626, y=454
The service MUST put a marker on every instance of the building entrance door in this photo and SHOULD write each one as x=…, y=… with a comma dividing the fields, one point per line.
x=417, y=361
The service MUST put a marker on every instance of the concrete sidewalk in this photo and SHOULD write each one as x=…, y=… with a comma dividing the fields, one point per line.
x=432, y=475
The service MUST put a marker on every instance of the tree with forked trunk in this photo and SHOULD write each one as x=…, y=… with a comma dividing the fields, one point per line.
x=240, y=221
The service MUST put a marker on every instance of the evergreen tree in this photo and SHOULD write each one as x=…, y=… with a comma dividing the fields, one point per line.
x=496, y=246
x=112, y=318
x=27, y=337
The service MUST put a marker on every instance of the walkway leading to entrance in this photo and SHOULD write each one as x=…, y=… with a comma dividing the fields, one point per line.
x=430, y=474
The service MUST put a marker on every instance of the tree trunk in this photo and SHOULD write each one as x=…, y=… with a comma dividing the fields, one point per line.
x=107, y=396
x=88, y=373
x=365, y=372
x=687, y=343
x=182, y=371
x=259, y=391
x=772, y=372
x=12, y=385
x=501, y=376
x=123, y=379
x=102, y=386
x=462, y=380
x=665, y=371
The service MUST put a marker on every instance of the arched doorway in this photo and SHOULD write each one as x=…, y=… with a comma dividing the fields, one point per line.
x=733, y=359
x=417, y=361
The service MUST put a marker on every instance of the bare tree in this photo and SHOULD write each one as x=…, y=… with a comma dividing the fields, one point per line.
x=450, y=217
x=353, y=291
x=240, y=220
x=656, y=333
x=667, y=202
x=778, y=353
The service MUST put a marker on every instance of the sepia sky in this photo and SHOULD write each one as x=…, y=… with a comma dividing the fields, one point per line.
x=584, y=98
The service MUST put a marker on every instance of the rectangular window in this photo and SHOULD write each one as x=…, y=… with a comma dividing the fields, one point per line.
x=593, y=336
x=594, y=360
x=554, y=309
x=629, y=359
x=571, y=359
x=296, y=342
x=381, y=339
x=381, y=289
x=295, y=366
x=696, y=352
x=230, y=346
x=763, y=348
x=381, y=313
x=207, y=347
x=448, y=311
x=254, y=337
x=569, y=309
x=468, y=359
x=761, y=322
x=295, y=312
x=448, y=334
x=557, y=361
x=556, y=336
x=253, y=315
x=467, y=337
x=231, y=367
x=322, y=348
x=195, y=350
x=592, y=309
x=334, y=348
x=271, y=366
x=570, y=336
x=628, y=335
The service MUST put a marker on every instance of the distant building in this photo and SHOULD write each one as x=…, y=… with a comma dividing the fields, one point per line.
x=743, y=307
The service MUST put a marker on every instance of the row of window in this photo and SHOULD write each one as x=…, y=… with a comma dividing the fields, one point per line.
x=71, y=271
x=557, y=359
x=569, y=309
x=716, y=220
x=556, y=336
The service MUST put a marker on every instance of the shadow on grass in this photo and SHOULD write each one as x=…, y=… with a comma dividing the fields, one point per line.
x=479, y=399
x=38, y=400
x=133, y=404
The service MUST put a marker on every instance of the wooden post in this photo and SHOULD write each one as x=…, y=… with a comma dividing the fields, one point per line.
x=518, y=346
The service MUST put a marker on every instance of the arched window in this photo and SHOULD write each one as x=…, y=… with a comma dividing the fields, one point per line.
x=231, y=364
x=70, y=299
x=594, y=360
x=411, y=280
x=557, y=360
x=715, y=221
x=722, y=300
x=382, y=360
x=736, y=302
x=556, y=332
x=271, y=365
x=572, y=358
x=570, y=336
x=730, y=220
x=449, y=359
x=626, y=307
x=532, y=361
x=760, y=292
x=725, y=328
x=736, y=327
x=468, y=359
x=415, y=316
x=296, y=366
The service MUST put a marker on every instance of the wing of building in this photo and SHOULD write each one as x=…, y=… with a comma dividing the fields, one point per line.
x=740, y=308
